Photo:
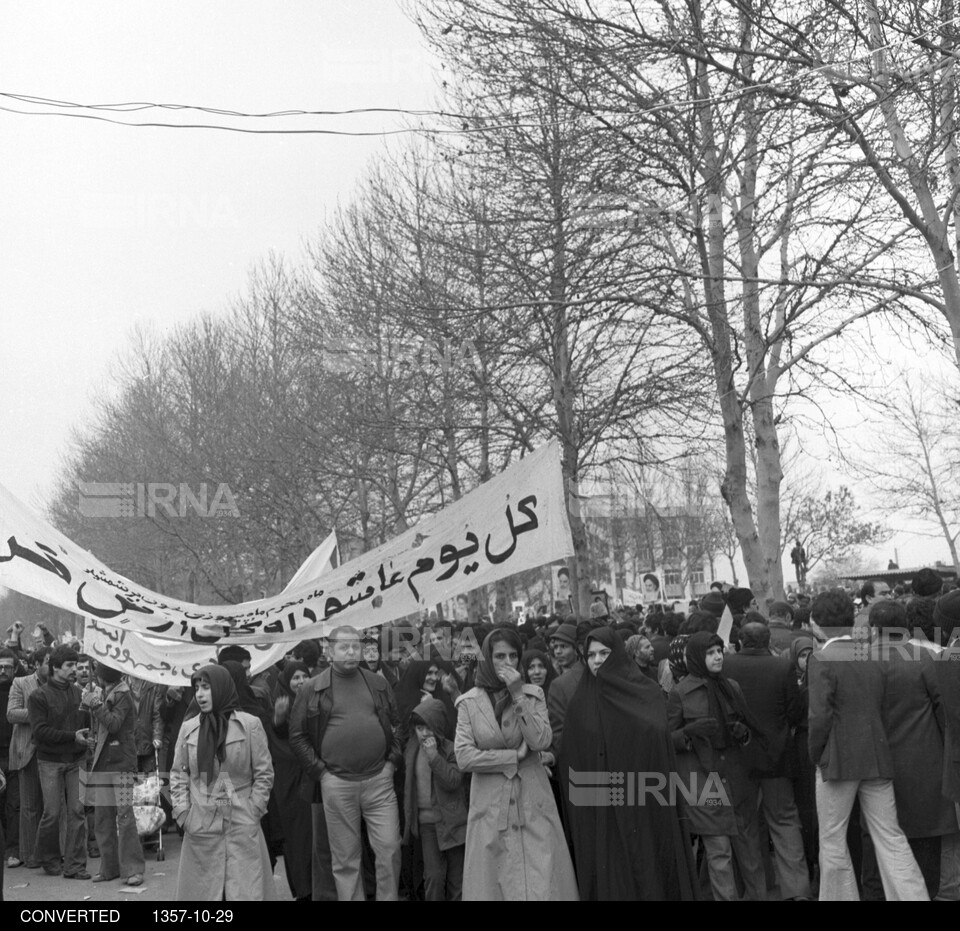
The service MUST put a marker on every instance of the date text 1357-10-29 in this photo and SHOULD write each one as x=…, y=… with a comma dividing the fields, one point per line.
x=171, y=916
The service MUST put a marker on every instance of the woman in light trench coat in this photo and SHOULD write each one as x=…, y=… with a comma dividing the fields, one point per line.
x=515, y=847
x=220, y=785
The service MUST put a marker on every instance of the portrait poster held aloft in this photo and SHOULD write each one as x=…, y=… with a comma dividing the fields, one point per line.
x=562, y=592
x=652, y=588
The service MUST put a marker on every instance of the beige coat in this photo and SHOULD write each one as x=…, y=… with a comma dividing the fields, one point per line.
x=223, y=851
x=22, y=747
x=515, y=848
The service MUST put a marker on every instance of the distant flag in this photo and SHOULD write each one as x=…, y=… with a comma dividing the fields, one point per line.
x=726, y=625
x=325, y=556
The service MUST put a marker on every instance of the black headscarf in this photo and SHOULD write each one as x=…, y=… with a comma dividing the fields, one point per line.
x=486, y=678
x=725, y=703
x=211, y=742
x=248, y=701
x=528, y=658
x=289, y=670
x=616, y=721
x=282, y=729
x=410, y=691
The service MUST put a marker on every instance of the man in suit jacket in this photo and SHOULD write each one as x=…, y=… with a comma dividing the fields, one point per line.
x=849, y=745
x=770, y=689
x=23, y=755
x=914, y=721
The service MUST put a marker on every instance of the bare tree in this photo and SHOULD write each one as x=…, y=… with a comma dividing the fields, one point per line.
x=602, y=374
x=764, y=248
x=913, y=460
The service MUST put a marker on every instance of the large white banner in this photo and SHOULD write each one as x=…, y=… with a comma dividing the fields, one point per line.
x=514, y=522
x=162, y=661
x=158, y=660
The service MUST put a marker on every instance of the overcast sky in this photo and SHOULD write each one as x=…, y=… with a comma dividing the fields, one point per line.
x=106, y=226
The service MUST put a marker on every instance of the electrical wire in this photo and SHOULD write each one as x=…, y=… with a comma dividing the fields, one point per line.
x=140, y=106
x=217, y=111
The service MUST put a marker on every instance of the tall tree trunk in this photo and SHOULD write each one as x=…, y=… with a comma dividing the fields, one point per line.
x=765, y=570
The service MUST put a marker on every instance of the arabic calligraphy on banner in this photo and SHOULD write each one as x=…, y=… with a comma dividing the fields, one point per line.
x=161, y=661
x=169, y=663
x=514, y=522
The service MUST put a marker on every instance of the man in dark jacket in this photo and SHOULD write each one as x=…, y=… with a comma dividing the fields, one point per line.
x=946, y=616
x=61, y=736
x=782, y=633
x=147, y=697
x=10, y=812
x=914, y=721
x=114, y=765
x=849, y=745
x=343, y=730
x=771, y=692
x=566, y=656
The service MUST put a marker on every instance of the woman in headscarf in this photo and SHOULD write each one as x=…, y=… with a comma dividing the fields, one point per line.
x=515, y=849
x=293, y=813
x=424, y=679
x=220, y=785
x=805, y=782
x=247, y=699
x=373, y=660
x=537, y=669
x=711, y=724
x=259, y=706
x=672, y=669
x=617, y=722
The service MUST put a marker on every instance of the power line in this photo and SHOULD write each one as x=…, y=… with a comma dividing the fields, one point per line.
x=133, y=107
x=234, y=129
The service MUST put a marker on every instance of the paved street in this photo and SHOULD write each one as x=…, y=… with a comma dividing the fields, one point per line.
x=159, y=882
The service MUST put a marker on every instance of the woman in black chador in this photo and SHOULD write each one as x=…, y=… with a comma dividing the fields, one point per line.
x=617, y=722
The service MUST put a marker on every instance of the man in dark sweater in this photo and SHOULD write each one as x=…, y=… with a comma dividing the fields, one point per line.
x=62, y=738
x=343, y=730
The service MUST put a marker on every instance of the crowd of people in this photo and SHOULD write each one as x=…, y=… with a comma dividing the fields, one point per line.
x=811, y=751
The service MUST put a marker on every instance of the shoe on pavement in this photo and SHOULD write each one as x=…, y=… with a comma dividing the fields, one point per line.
x=81, y=874
x=100, y=878
x=13, y=863
x=52, y=870
x=135, y=880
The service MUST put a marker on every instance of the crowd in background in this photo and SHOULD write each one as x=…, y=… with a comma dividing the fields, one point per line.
x=816, y=746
